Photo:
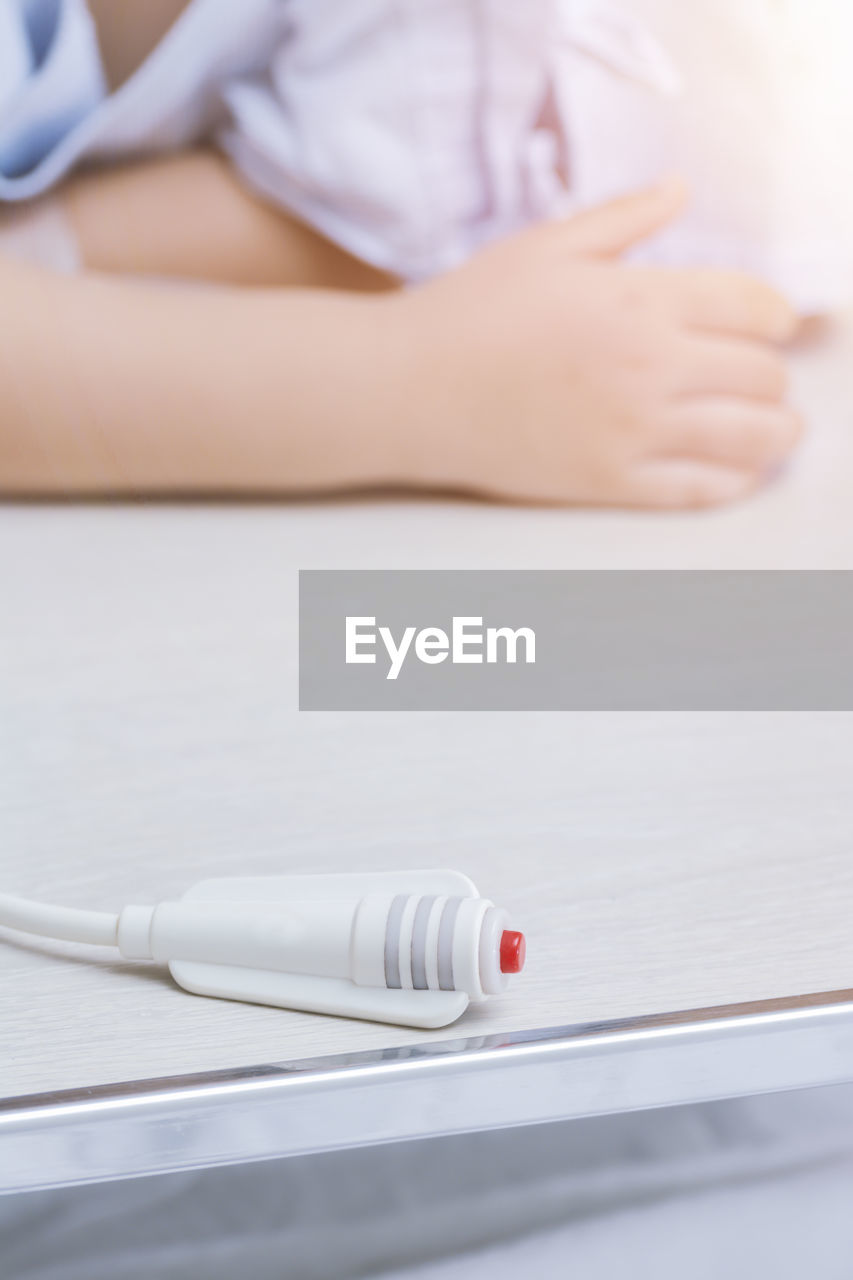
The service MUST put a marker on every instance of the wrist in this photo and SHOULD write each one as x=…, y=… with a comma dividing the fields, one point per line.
x=422, y=396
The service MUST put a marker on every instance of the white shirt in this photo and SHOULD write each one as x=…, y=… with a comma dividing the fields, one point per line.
x=413, y=131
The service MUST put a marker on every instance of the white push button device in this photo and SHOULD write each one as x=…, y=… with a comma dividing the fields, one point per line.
x=405, y=947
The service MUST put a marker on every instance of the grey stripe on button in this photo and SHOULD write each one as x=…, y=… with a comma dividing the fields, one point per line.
x=445, y=943
x=392, y=941
x=419, y=929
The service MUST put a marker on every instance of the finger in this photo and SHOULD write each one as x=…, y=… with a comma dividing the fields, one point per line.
x=744, y=433
x=610, y=229
x=730, y=302
x=686, y=483
x=732, y=367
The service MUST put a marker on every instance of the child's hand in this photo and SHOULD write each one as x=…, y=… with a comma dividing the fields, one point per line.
x=546, y=371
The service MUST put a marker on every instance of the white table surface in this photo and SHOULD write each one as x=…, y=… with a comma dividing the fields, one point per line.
x=149, y=736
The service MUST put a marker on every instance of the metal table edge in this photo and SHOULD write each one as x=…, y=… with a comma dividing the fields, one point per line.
x=146, y=1127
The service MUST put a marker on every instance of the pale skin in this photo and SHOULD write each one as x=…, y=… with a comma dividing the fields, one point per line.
x=544, y=370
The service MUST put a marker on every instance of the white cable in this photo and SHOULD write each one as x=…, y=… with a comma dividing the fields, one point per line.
x=65, y=923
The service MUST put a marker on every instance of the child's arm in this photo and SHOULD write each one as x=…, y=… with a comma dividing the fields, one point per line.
x=541, y=371
x=188, y=215
x=110, y=385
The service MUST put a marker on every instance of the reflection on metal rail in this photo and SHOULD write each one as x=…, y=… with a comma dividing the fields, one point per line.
x=456, y=1086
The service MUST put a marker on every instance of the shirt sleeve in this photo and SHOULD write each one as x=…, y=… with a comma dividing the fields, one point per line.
x=51, y=79
x=55, y=106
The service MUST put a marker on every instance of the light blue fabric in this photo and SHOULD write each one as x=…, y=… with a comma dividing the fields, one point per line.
x=54, y=106
x=51, y=80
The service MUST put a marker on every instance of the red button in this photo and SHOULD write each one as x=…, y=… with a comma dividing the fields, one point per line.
x=513, y=951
